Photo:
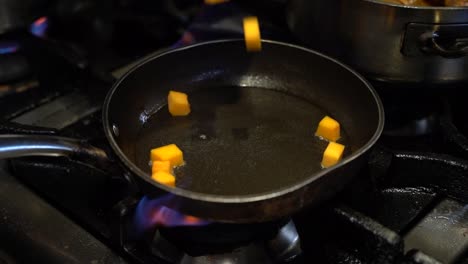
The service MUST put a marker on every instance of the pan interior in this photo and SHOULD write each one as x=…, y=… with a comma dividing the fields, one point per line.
x=239, y=140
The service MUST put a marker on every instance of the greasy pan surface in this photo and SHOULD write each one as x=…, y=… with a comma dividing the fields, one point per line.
x=250, y=136
x=239, y=141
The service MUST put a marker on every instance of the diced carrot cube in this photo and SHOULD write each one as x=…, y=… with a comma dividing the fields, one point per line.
x=333, y=154
x=169, y=153
x=252, y=34
x=329, y=129
x=164, y=178
x=178, y=103
x=160, y=165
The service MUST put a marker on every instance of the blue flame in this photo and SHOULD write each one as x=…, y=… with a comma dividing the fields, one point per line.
x=8, y=47
x=151, y=213
x=39, y=27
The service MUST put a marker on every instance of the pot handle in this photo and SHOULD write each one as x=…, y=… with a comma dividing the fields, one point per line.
x=448, y=47
x=14, y=146
x=445, y=40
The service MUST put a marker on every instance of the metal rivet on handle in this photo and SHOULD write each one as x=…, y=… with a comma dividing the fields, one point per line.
x=115, y=129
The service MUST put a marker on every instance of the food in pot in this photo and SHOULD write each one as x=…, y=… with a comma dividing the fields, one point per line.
x=332, y=154
x=215, y=2
x=161, y=165
x=252, y=34
x=430, y=2
x=329, y=129
x=419, y=2
x=169, y=153
x=164, y=178
x=456, y=2
x=178, y=103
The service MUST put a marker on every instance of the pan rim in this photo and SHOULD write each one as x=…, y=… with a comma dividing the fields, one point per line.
x=382, y=2
x=241, y=198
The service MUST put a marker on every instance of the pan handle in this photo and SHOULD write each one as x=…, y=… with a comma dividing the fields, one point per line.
x=14, y=146
x=448, y=47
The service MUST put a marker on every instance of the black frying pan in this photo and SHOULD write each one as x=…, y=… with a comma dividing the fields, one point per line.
x=249, y=144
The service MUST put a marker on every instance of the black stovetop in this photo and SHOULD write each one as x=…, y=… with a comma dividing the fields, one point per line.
x=409, y=204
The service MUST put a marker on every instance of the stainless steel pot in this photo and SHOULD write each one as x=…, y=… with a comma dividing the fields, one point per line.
x=387, y=42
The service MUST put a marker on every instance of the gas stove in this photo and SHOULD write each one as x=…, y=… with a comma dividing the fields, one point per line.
x=409, y=204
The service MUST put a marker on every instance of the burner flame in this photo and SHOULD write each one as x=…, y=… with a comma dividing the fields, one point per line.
x=39, y=27
x=167, y=217
x=8, y=47
x=151, y=213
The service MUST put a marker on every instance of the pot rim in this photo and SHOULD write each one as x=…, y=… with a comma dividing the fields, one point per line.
x=382, y=2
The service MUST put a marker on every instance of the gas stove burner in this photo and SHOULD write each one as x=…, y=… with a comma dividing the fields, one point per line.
x=13, y=66
x=184, y=239
x=220, y=245
x=454, y=125
x=409, y=113
x=416, y=127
